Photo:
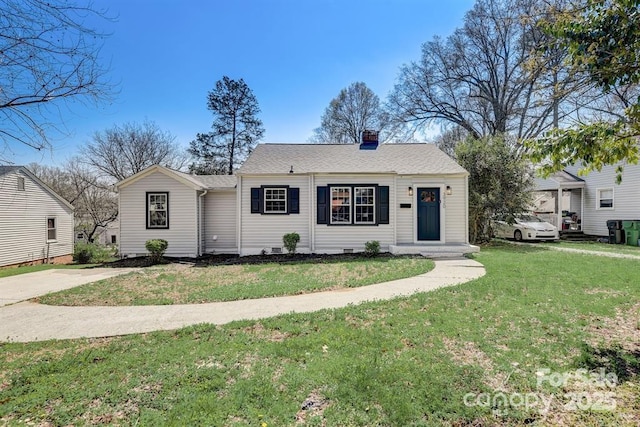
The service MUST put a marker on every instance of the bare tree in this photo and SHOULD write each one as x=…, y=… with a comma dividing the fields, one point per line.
x=236, y=128
x=485, y=77
x=125, y=150
x=355, y=109
x=95, y=202
x=47, y=55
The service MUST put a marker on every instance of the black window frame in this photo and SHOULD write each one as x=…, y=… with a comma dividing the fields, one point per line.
x=148, y=212
x=257, y=199
x=324, y=205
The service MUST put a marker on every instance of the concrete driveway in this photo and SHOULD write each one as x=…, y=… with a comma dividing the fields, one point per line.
x=25, y=286
x=26, y=321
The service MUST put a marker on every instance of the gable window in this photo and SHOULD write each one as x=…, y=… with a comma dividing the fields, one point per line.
x=51, y=229
x=340, y=205
x=275, y=200
x=604, y=198
x=158, y=210
x=352, y=204
x=20, y=183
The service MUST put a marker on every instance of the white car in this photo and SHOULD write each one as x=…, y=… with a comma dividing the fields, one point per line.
x=524, y=227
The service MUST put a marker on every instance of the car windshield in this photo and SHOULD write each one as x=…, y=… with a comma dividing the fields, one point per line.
x=529, y=218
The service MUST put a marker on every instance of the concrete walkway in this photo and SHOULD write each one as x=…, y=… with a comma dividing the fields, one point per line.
x=30, y=285
x=26, y=321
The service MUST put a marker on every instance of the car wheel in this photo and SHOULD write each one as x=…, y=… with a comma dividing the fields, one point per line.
x=517, y=235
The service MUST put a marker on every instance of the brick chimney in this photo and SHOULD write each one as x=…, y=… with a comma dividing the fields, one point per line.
x=369, y=140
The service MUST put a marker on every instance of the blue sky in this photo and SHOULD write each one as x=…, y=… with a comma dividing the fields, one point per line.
x=296, y=55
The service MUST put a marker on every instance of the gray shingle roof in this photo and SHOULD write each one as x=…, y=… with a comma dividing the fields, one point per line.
x=402, y=159
x=7, y=169
x=210, y=181
x=217, y=181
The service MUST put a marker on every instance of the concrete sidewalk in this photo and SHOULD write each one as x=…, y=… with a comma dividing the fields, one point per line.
x=24, y=322
x=30, y=285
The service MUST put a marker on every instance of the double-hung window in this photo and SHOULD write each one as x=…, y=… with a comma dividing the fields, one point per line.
x=352, y=204
x=275, y=200
x=340, y=205
x=365, y=205
x=51, y=229
x=158, y=210
x=604, y=198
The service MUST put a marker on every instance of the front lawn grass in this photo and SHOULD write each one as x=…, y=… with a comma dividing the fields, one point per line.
x=182, y=284
x=411, y=361
x=13, y=271
x=601, y=247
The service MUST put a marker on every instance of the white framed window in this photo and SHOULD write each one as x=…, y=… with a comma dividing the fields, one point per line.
x=51, y=229
x=275, y=200
x=158, y=210
x=20, y=183
x=604, y=198
x=365, y=205
x=340, y=205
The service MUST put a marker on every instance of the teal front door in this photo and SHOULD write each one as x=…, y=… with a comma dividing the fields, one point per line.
x=428, y=213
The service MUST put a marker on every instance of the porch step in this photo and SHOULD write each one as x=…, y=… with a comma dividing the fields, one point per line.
x=577, y=236
x=434, y=250
x=438, y=255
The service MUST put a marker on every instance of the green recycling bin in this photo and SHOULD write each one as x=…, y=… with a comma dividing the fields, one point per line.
x=632, y=232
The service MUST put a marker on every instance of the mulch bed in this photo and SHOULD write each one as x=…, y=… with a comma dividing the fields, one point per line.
x=229, y=259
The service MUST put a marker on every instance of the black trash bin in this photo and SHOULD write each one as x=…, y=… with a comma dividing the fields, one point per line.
x=616, y=231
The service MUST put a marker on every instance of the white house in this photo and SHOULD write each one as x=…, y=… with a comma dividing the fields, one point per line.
x=412, y=198
x=36, y=224
x=595, y=198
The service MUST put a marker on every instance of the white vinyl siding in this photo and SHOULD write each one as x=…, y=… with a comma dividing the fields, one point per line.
x=182, y=233
x=23, y=222
x=330, y=238
x=260, y=232
x=220, y=221
x=626, y=204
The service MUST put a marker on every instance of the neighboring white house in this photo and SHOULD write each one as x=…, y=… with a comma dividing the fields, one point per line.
x=595, y=198
x=36, y=224
x=412, y=198
x=104, y=235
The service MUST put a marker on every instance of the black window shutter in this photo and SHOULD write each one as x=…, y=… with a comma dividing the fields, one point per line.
x=294, y=200
x=383, y=204
x=256, y=200
x=323, y=205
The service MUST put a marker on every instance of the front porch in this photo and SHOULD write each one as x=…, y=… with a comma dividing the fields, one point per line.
x=434, y=250
x=560, y=201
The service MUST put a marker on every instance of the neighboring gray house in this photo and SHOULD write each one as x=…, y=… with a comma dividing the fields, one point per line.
x=36, y=224
x=412, y=198
x=595, y=198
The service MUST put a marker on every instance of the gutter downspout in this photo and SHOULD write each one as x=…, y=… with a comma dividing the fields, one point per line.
x=201, y=221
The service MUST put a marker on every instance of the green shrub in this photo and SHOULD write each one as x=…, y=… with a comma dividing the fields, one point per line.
x=372, y=248
x=156, y=248
x=91, y=253
x=290, y=241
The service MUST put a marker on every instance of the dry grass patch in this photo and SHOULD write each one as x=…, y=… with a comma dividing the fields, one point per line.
x=622, y=330
x=468, y=353
x=313, y=406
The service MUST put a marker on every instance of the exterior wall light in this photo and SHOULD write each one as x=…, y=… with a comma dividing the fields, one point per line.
x=410, y=191
x=449, y=190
